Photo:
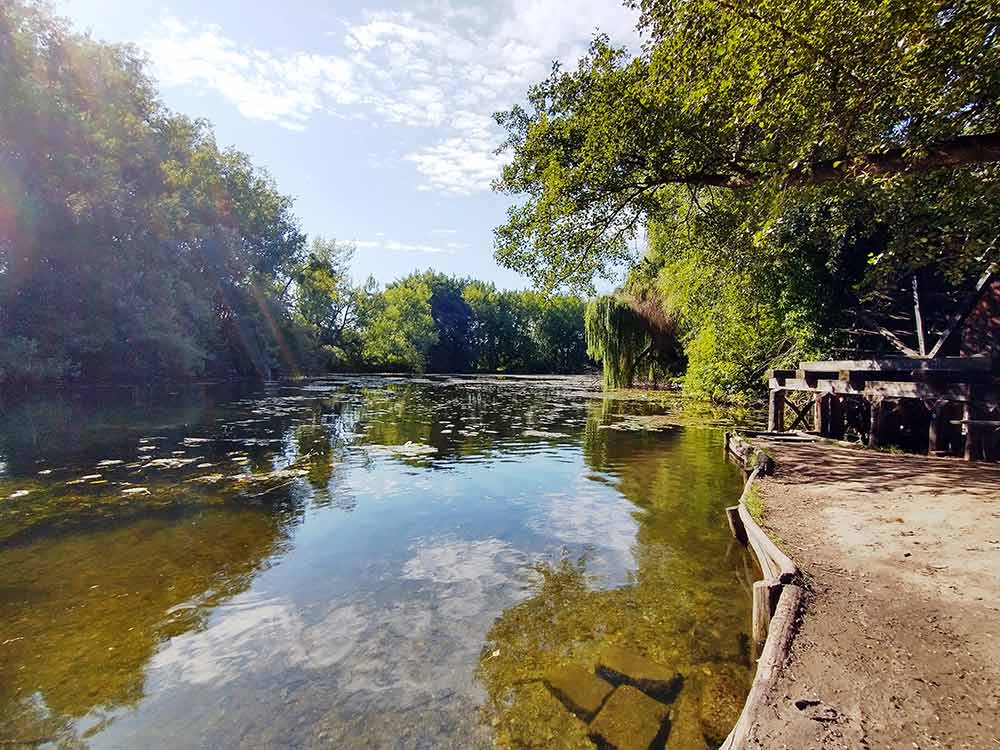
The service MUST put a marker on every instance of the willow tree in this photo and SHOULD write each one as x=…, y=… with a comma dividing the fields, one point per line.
x=617, y=338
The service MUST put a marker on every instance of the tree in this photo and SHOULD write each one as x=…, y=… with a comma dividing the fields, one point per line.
x=784, y=101
x=131, y=246
x=402, y=330
x=327, y=301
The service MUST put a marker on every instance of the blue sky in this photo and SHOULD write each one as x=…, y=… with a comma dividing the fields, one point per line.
x=375, y=116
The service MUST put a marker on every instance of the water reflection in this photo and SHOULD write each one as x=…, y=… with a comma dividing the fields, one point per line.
x=320, y=564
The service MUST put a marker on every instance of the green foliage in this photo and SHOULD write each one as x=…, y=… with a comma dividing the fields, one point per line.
x=616, y=338
x=131, y=246
x=771, y=98
x=402, y=330
x=789, y=161
x=524, y=331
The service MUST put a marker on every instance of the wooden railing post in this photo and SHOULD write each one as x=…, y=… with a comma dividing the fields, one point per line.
x=776, y=410
x=877, y=423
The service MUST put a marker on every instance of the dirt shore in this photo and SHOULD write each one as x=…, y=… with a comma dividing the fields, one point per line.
x=900, y=643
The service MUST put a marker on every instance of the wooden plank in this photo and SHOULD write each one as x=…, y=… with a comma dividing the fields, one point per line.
x=892, y=389
x=901, y=363
x=773, y=562
x=800, y=412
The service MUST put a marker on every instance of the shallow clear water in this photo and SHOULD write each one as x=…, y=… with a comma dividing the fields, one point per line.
x=350, y=563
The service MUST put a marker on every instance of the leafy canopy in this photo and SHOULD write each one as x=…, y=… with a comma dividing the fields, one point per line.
x=777, y=99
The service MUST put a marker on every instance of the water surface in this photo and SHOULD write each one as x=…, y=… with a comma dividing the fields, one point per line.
x=349, y=563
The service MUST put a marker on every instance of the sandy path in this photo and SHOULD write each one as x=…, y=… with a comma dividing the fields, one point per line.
x=900, y=645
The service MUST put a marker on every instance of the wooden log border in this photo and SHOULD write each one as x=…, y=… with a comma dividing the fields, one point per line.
x=777, y=599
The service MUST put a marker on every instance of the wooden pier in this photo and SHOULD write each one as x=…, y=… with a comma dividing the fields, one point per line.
x=943, y=401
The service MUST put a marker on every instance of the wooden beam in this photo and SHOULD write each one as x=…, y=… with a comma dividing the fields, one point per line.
x=800, y=413
x=959, y=317
x=918, y=318
x=892, y=389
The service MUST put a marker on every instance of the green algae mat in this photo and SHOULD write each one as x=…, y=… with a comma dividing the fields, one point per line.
x=367, y=562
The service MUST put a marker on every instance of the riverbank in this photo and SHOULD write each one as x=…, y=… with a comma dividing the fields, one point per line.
x=899, y=643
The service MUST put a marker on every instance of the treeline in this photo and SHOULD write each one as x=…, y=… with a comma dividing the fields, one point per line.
x=805, y=174
x=431, y=322
x=132, y=247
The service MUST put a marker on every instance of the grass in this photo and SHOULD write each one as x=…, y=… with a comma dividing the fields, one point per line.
x=755, y=504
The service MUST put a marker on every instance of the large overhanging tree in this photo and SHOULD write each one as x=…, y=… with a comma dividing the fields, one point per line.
x=899, y=98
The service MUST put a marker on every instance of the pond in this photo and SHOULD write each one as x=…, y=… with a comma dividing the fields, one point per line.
x=361, y=562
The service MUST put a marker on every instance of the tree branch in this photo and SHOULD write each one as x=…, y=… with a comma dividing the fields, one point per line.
x=959, y=151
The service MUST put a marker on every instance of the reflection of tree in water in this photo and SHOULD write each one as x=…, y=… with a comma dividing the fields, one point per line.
x=313, y=440
x=87, y=611
x=685, y=604
x=464, y=421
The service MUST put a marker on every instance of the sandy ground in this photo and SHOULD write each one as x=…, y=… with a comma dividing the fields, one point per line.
x=899, y=644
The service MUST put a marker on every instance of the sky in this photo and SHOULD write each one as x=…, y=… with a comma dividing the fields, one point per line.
x=376, y=116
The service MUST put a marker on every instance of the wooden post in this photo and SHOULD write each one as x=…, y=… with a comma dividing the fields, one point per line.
x=765, y=600
x=970, y=433
x=935, y=433
x=837, y=417
x=823, y=413
x=776, y=411
x=877, y=420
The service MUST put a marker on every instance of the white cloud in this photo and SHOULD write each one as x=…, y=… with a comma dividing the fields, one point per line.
x=444, y=66
x=401, y=247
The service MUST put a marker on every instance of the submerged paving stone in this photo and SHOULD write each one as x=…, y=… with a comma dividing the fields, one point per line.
x=538, y=721
x=685, y=722
x=580, y=691
x=620, y=666
x=722, y=696
x=630, y=720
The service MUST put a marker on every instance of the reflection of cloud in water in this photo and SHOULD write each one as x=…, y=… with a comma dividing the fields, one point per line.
x=364, y=657
x=257, y=635
x=585, y=515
